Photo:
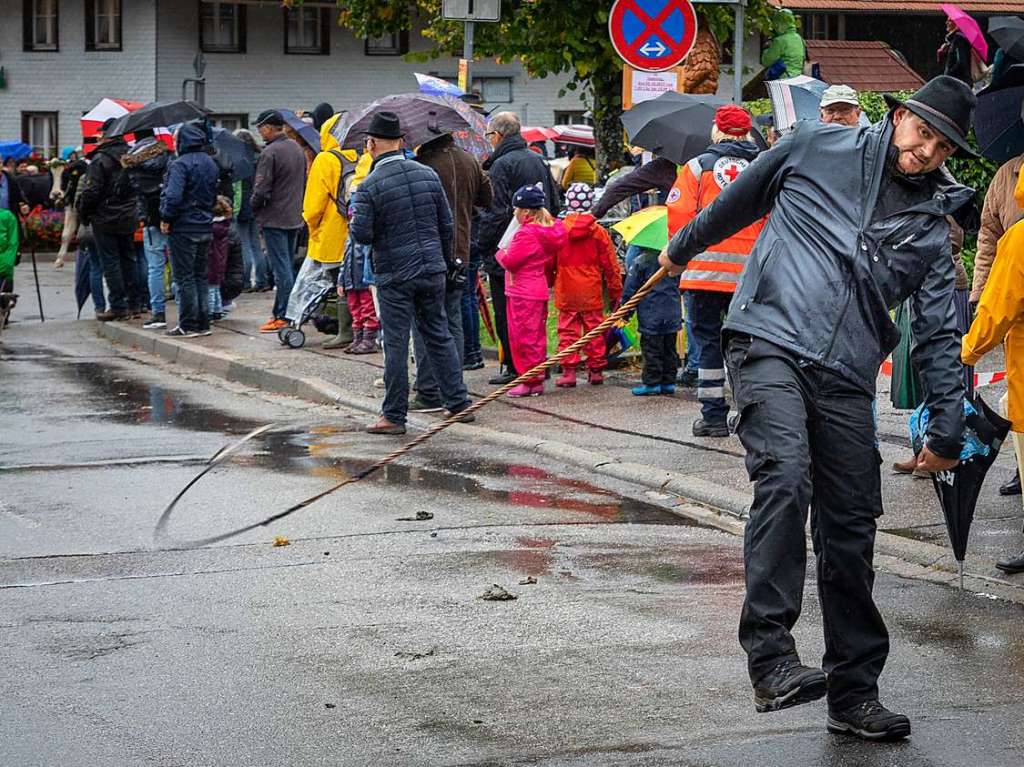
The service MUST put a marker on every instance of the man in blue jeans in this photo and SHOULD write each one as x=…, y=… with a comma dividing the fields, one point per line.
x=277, y=194
x=402, y=212
x=186, y=213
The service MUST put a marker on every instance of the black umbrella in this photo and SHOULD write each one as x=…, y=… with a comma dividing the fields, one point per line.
x=233, y=153
x=1008, y=32
x=82, y=268
x=676, y=126
x=998, y=123
x=959, y=487
x=159, y=114
x=423, y=118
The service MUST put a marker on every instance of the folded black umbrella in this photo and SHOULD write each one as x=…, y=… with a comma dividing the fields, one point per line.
x=998, y=123
x=1008, y=32
x=158, y=114
x=423, y=117
x=233, y=153
x=82, y=287
x=676, y=126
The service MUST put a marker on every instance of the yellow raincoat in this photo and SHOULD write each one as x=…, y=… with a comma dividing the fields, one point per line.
x=1001, y=313
x=328, y=229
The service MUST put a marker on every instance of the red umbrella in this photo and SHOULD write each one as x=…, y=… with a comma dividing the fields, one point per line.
x=92, y=121
x=969, y=27
x=534, y=134
x=577, y=135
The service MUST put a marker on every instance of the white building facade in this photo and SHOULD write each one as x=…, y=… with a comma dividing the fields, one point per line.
x=60, y=57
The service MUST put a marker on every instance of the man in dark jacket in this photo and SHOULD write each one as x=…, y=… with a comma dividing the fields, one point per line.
x=511, y=166
x=277, y=203
x=107, y=202
x=186, y=213
x=857, y=224
x=401, y=211
x=467, y=189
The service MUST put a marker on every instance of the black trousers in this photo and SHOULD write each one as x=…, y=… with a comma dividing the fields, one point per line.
x=117, y=253
x=497, y=283
x=810, y=441
x=660, y=358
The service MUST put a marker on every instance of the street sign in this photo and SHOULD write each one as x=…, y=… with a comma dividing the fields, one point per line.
x=471, y=10
x=653, y=35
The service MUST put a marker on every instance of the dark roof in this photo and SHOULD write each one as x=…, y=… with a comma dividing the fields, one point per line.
x=866, y=65
x=891, y=6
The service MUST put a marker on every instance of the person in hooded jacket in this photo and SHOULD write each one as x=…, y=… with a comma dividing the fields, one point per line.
x=857, y=224
x=107, y=202
x=785, y=54
x=527, y=263
x=711, y=277
x=217, y=257
x=659, y=319
x=511, y=166
x=955, y=54
x=146, y=164
x=186, y=214
x=583, y=268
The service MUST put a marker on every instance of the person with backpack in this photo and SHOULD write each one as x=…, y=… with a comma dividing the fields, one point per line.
x=325, y=211
x=107, y=202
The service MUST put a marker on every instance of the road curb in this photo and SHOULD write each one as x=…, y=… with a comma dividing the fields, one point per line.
x=702, y=501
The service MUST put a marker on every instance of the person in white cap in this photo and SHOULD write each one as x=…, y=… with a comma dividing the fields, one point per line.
x=839, y=105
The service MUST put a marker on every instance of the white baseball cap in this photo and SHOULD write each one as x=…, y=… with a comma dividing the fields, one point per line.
x=839, y=94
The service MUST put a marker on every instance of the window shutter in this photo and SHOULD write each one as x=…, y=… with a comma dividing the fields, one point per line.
x=90, y=25
x=325, y=30
x=26, y=25
x=240, y=10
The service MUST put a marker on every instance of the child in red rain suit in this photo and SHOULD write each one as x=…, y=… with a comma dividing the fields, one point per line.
x=527, y=263
x=583, y=266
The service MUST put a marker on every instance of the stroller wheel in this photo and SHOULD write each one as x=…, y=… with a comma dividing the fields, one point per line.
x=282, y=334
x=296, y=339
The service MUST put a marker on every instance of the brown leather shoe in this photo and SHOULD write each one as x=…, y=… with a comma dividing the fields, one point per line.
x=384, y=426
x=905, y=467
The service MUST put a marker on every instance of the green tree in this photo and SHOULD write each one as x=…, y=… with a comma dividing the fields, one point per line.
x=547, y=36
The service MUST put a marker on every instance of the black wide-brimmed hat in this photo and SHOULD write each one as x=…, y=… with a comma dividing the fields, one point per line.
x=385, y=125
x=947, y=104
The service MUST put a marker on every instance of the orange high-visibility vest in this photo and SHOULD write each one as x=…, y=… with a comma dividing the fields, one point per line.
x=697, y=185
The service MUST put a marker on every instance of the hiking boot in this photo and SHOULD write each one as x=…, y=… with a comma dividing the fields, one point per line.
x=568, y=378
x=643, y=390
x=1012, y=487
x=417, y=405
x=367, y=345
x=109, y=315
x=702, y=428
x=869, y=720
x=595, y=378
x=274, y=325
x=156, y=322
x=788, y=684
x=384, y=426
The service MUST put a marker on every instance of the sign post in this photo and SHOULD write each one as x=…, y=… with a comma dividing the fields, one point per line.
x=469, y=12
x=653, y=35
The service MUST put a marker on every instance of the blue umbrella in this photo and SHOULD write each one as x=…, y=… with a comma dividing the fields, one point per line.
x=306, y=131
x=797, y=98
x=435, y=86
x=15, y=150
x=998, y=121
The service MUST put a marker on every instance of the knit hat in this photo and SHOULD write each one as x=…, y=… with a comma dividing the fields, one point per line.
x=579, y=197
x=529, y=197
x=733, y=120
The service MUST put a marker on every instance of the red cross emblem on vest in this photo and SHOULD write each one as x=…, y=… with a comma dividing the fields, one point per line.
x=727, y=169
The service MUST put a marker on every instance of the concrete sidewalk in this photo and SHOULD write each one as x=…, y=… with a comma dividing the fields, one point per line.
x=605, y=429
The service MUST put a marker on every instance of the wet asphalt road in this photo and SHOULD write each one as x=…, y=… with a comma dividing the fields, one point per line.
x=364, y=642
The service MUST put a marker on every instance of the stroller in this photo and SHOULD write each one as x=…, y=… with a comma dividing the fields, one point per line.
x=314, y=285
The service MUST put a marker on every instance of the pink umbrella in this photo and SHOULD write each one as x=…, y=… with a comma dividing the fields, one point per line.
x=969, y=27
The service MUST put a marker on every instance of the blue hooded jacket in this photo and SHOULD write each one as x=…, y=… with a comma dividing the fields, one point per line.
x=190, y=189
x=660, y=312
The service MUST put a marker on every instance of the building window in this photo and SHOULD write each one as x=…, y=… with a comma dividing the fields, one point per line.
x=231, y=122
x=824, y=26
x=39, y=130
x=307, y=31
x=221, y=27
x=395, y=44
x=493, y=90
x=573, y=117
x=103, y=25
x=40, y=29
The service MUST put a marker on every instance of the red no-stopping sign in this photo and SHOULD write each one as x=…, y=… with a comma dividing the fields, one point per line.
x=653, y=35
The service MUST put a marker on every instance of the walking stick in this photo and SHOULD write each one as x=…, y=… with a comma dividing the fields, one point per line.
x=39, y=295
x=160, y=535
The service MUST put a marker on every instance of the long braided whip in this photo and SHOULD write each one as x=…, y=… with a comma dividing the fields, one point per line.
x=619, y=314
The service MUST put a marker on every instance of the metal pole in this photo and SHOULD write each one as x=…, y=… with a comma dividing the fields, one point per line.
x=39, y=295
x=467, y=54
x=737, y=56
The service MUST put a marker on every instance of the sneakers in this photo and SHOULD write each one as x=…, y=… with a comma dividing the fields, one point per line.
x=568, y=378
x=156, y=322
x=273, y=325
x=179, y=332
x=384, y=426
x=595, y=378
x=702, y=428
x=502, y=378
x=869, y=720
x=789, y=684
x=643, y=390
x=476, y=364
x=526, y=390
x=416, y=405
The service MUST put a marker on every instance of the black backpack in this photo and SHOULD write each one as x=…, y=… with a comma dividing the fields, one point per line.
x=344, y=191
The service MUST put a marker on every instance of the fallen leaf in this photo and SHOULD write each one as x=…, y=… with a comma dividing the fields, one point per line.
x=529, y=580
x=280, y=540
x=497, y=594
x=416, y=655
x=421, y=516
